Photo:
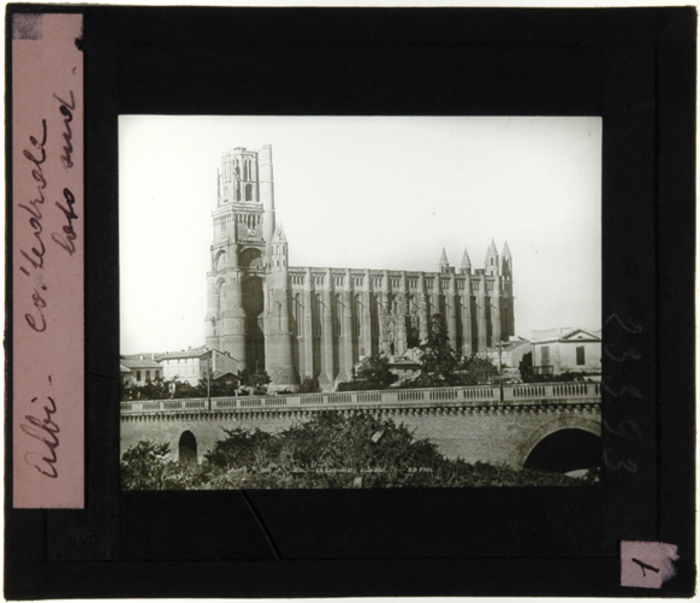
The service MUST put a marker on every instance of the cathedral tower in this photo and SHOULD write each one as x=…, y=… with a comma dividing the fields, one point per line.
x=249, y=269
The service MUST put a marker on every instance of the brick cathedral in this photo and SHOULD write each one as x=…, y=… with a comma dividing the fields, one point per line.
x=299, y=321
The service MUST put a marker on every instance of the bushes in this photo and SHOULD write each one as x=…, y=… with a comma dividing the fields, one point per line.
x=373, y=374
x=309, y=385
x=329, y=451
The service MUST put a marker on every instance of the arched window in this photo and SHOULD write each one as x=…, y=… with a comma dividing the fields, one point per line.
x=357, y=315
x=188, y=448
x=248, y=192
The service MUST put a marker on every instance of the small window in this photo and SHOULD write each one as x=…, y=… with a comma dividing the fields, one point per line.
x=545, y=356
x=138, y=375
x=580, y=355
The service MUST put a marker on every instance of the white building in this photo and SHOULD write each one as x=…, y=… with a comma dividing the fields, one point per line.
x=555, y=351
x=191, y=364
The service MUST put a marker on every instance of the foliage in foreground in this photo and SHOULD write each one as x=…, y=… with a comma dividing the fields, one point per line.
x=329, y=451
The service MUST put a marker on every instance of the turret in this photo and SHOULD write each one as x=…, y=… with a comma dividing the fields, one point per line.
x=278, y=342
x=444, y=263
x=491, y=263
x=506, y=262
x=466, y=266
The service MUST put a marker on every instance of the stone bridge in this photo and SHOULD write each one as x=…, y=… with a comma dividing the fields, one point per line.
x=552, y=426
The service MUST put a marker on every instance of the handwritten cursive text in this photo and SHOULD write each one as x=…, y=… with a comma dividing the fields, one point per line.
x=44, y=429
x=67, y=241
x=66, y=110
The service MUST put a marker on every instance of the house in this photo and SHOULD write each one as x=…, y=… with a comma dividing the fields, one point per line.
x=555, y=351
x=191, y=364
x=139, y=369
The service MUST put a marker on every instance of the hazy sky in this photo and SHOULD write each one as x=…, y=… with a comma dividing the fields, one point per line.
x=365, y=192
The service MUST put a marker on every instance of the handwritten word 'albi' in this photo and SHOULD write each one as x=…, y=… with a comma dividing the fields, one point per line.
x=43, y=429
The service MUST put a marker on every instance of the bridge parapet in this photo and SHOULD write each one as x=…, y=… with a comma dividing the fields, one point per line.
x=475, y=396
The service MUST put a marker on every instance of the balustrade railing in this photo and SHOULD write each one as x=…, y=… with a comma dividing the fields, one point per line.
x=478, y=395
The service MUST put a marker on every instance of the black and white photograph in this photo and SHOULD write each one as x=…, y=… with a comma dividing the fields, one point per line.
x=345, y=302
x=379, y=301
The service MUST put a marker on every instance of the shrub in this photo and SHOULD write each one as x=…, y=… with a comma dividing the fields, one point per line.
x=309, y=385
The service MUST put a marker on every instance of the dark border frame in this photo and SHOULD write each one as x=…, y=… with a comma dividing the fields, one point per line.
x=635, y=67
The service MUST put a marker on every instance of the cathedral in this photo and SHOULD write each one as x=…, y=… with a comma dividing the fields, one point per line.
x=307, y=321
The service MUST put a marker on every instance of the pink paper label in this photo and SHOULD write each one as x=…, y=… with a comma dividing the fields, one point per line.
x=47, y=262
x=646, y=564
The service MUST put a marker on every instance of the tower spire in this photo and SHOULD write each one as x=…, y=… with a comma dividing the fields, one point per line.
x=443, y=258
x=444, y=262
x=279, y=236
x=505, y=254
x=466, y=263
x=506, y=261
x=491, y=263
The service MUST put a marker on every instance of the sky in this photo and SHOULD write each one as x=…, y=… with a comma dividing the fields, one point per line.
x=365, y=192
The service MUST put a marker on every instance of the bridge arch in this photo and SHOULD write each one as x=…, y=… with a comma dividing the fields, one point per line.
x=570, y=425
x=187, y=448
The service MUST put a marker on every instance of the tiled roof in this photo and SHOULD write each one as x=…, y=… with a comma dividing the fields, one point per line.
x=561, y=334
x=191, y=353
x=217, y=374
x=139, y=363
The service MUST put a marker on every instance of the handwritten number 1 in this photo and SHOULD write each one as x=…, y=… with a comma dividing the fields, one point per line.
x=644, y=566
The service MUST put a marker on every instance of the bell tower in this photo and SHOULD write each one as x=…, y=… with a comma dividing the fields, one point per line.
x=235, y=292
x=249, y=269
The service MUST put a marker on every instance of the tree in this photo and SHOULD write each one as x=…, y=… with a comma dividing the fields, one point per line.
x=478, y=369
x=219, y=388
x=156, y=389
x=256, y=380
x=440, y=365
x=309, y=385
x=373, y=373
x=184, y=389
x=144, y=465
x=525, y=367
x=242, y=448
